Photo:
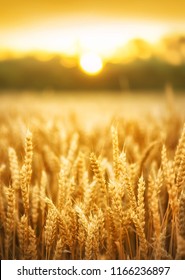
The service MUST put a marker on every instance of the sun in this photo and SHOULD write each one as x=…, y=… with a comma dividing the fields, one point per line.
x=91, y=63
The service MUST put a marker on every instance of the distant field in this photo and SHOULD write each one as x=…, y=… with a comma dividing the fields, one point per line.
x=93, y=104
x=92, y=175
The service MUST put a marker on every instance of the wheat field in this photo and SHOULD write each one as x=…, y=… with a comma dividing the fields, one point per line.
x=101, y=179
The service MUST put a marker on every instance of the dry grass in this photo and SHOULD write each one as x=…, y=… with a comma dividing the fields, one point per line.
x=108, y=189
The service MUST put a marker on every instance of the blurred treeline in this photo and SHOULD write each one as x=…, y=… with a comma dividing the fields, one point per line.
x=152, y=73
x=30, y=73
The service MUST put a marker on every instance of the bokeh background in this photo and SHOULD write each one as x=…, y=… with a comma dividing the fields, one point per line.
x=119, y=45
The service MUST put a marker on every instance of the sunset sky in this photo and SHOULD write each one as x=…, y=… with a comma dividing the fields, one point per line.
x=15, y=13
x=75, y=27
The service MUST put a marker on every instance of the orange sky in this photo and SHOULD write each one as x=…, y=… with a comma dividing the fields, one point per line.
x=15, y=13
x=77, y=26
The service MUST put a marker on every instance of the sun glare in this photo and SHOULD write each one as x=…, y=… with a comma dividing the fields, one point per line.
x=91, y=63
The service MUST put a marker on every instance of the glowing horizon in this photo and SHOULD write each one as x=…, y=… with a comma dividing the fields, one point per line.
x=72, y=28
x=109, y=39
x=103, y=37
